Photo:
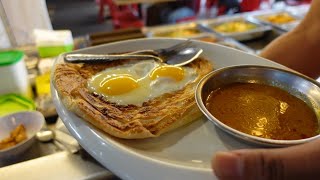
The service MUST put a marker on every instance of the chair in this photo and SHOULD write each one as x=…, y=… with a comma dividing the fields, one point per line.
x=249, y=5
x=209, y=4
x=121, y=16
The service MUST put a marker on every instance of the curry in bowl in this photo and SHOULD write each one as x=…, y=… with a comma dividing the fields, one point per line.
x=260, y=104
x=263, y=111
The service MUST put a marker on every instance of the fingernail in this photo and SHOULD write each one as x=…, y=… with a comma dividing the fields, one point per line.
x=227, y=164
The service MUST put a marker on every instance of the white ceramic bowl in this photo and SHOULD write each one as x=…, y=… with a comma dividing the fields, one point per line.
x=32, y=121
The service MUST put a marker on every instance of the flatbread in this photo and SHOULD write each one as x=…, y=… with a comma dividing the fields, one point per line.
x=155, y=117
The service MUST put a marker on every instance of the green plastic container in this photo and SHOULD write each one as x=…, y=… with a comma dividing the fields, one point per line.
x=52, y=51
x=8, y=58
x=12, y=103
x=51, y=43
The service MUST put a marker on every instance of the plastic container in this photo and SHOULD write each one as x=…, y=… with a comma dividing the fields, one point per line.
x=13, y=74
x=12, y=103
x=52, y=43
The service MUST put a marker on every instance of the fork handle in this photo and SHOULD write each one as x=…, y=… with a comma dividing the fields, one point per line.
x=144, y=52
x=98, y=58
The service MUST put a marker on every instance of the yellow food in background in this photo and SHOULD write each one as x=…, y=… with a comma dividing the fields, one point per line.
x=16, y=136
x=179, y=33
x=280, y=18
x=43, y=84
x=234, y=27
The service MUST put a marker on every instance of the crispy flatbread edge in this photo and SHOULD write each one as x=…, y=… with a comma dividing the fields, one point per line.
x=78, y=108
x=190, y=114
x=193, y=113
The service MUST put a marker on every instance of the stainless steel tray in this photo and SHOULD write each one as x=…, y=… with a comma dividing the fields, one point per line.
x=298, y=11
x=279, y=26
x=236, y=45
x=175, y=30
x=214, y=38
x=289, y=26
x=240, y=36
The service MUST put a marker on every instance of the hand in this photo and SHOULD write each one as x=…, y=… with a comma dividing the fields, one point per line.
x=296, y=162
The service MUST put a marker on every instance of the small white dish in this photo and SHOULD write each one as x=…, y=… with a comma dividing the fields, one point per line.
x=31, y=120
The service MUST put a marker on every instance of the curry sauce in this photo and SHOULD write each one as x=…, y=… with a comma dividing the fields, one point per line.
x=263, y=111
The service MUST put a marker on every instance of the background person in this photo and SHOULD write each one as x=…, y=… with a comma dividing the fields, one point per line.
x=299, y=49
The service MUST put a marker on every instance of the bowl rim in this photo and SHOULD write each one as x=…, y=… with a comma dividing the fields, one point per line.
x=237, y=133
x=42, y=120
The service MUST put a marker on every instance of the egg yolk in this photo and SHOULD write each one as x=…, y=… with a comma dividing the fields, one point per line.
x=174, y=72
x=118, y=85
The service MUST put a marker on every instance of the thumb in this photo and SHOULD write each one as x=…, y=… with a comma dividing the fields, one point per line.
x=296, y=162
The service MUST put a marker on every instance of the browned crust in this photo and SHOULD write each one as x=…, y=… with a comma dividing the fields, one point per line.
x=152, y=119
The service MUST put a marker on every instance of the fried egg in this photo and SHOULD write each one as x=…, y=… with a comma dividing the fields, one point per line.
x=139, y=82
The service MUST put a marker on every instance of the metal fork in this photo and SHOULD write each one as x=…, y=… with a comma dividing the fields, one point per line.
x=179, y=54
x=163, y=52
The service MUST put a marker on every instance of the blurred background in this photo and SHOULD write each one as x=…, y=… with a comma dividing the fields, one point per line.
x=34, y=32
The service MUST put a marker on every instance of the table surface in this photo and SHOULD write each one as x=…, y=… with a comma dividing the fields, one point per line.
x=48, y=156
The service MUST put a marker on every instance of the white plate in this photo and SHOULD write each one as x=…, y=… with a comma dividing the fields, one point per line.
x=182, y=154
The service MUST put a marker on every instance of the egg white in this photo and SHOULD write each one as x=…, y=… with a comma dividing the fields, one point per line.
x=147, y=89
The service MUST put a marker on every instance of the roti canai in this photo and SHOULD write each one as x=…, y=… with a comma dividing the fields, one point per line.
x=131, y=99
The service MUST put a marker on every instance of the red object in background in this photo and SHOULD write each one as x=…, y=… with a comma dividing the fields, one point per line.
x=208, y=4
x=211, y=3
x=121, y=16
x=249, y=5
x=222, y=10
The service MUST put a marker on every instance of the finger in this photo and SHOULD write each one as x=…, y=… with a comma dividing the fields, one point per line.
x=296, y=162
